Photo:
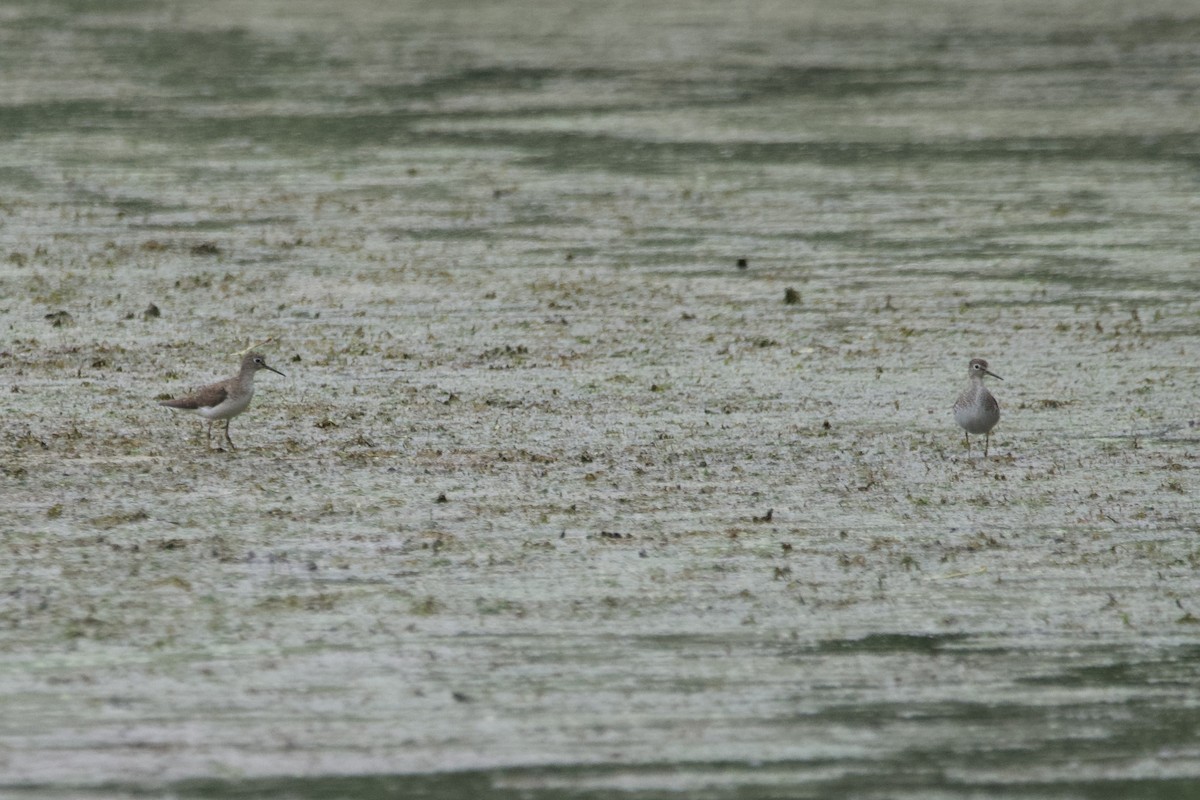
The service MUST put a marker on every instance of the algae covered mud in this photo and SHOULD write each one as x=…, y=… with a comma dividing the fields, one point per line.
x=615, y=455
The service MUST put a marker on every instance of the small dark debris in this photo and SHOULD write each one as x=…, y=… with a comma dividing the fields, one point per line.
x=151, y=312
x=743, y=263
x=108, y=521
x=615, y=535
x=205, y=249
x=826, y=426
x=325, y=423
x=60, y=319
x=791, y=297
x=782, y=572
x=765, y=517
x=507, y=350
x=786, y=547
x=441, y=498
x=296, y=358
x=459, y=697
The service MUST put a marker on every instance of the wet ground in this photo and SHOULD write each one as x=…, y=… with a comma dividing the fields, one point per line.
x=614, y=455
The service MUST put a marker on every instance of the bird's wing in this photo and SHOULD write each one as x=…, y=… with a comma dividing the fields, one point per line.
x=208, y=397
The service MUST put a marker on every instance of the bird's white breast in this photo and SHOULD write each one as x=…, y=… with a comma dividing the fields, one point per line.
x=231, y=406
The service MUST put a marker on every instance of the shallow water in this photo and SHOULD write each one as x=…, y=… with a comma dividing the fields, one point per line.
x=555, y=499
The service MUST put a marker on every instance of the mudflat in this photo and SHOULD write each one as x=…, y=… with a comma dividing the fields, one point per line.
x=615, y=452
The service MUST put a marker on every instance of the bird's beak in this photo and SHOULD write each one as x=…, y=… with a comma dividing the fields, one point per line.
x=277, y=372
x=985, y=372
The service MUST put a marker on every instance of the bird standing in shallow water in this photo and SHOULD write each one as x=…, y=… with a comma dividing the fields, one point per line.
x=224, y=399
x=975, y=410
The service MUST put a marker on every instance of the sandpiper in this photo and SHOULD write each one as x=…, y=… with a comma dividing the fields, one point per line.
x=224, y=399
x=975, y=410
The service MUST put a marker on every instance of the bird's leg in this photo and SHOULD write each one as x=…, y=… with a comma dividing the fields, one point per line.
x=208, y=434
x=968, y=438
x=987, y=437
x=231, y=447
